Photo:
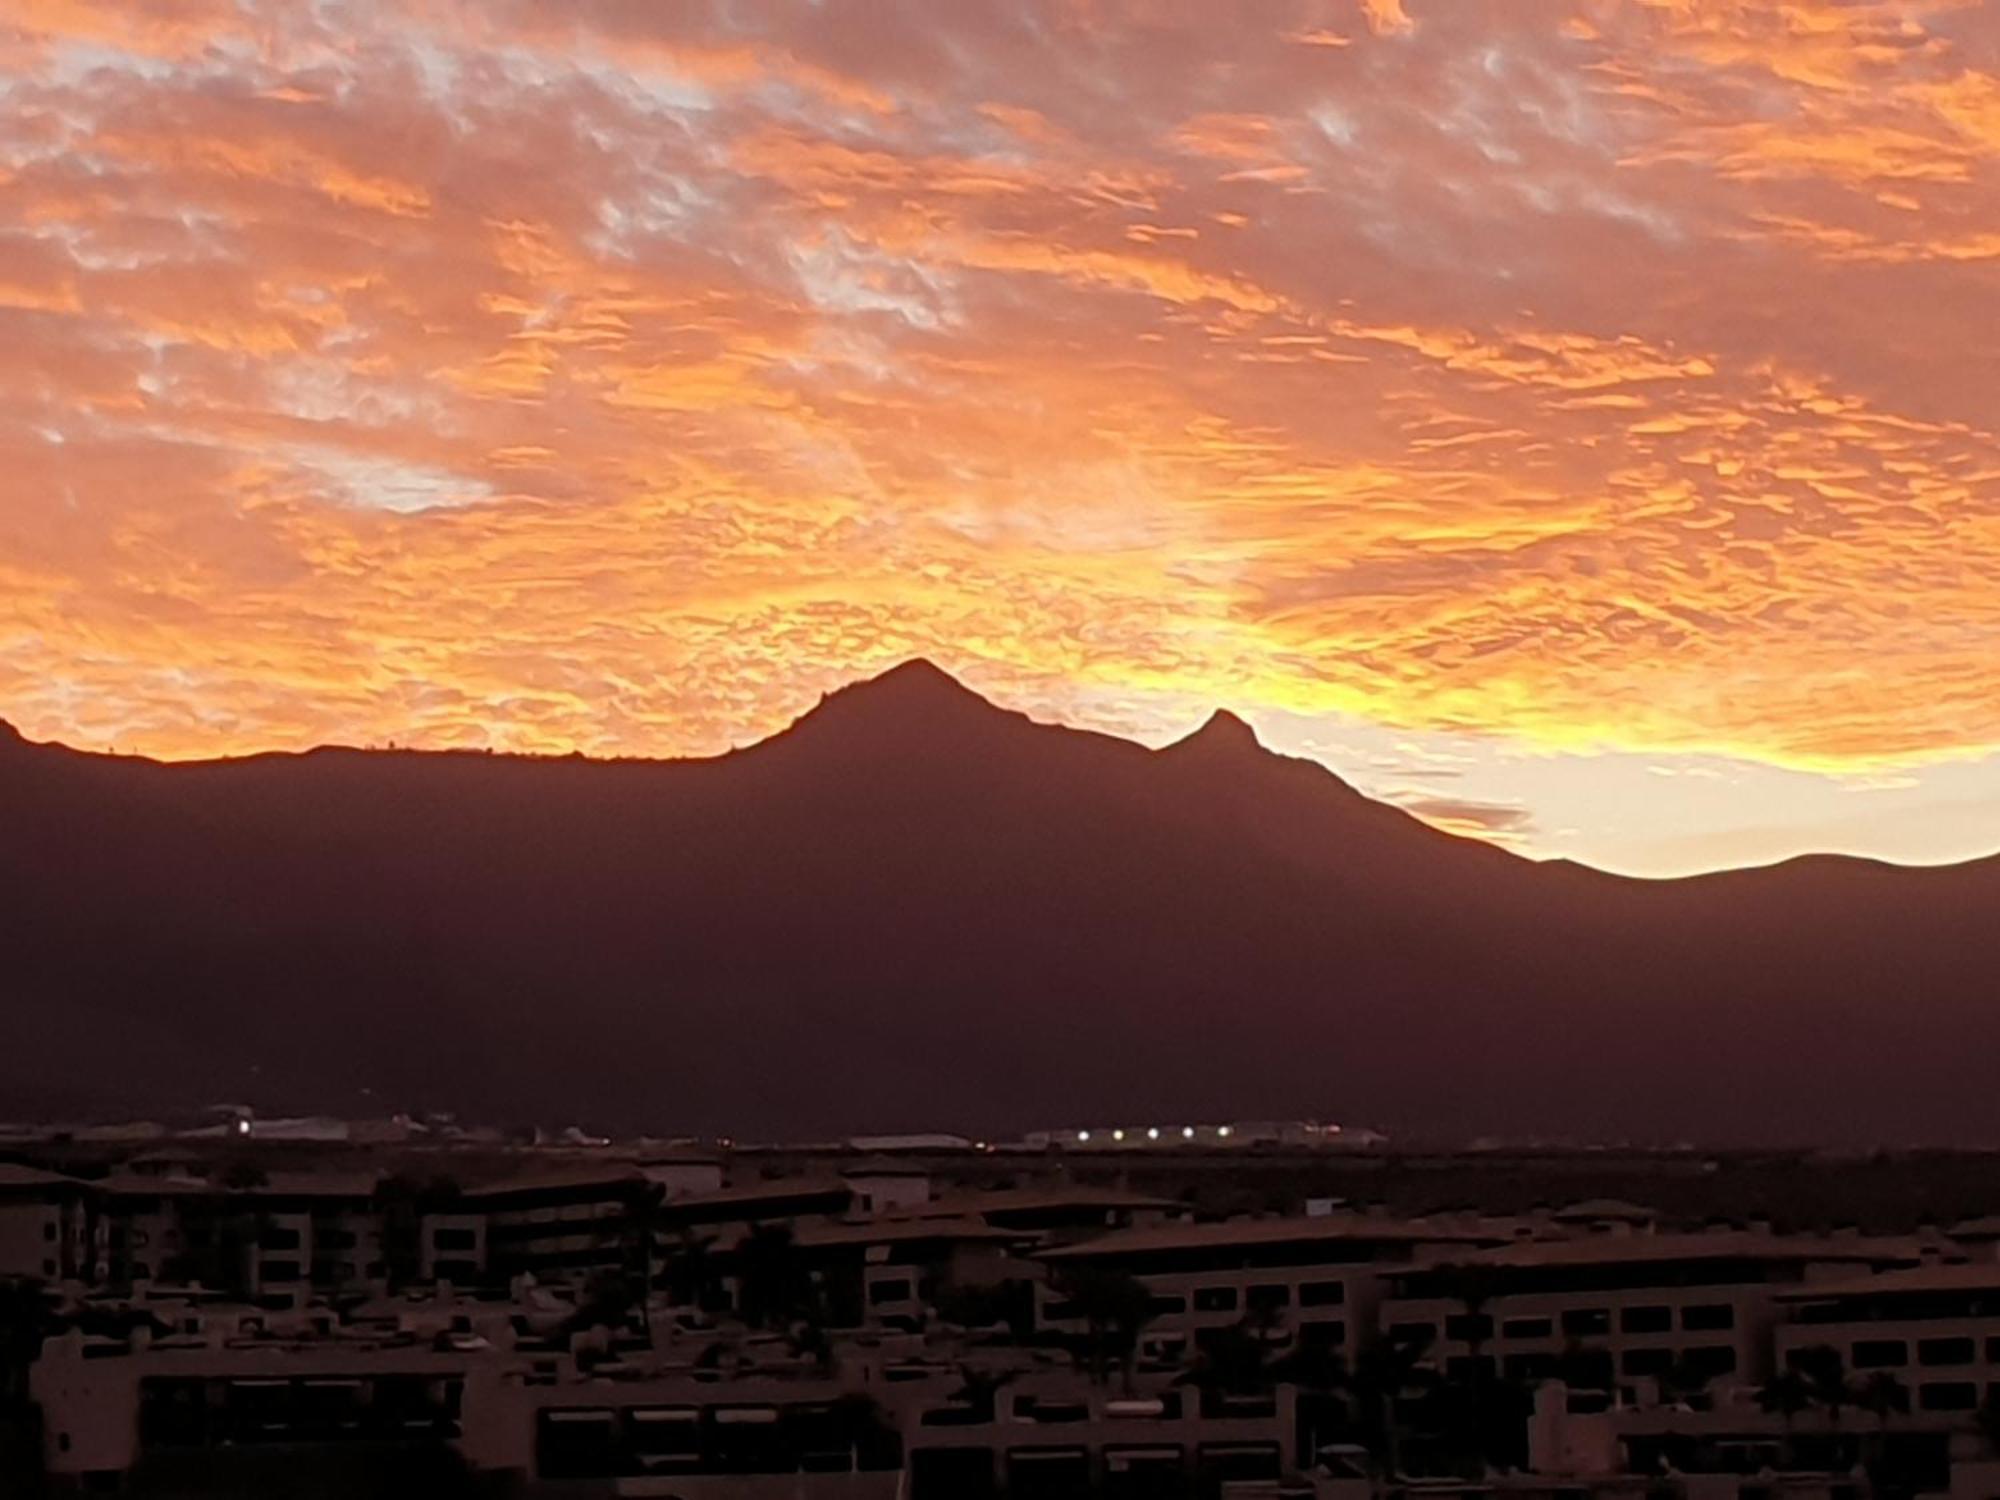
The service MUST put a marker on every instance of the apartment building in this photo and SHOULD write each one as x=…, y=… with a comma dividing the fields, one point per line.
x=565, y=1221
x=1309, y=1281
x=288, y=1234
x=107, y=1406
x=1608, y=1310
x=889, y=1272
x=728, y=1212
x=1051, y=1434
x=1933, y=1328
x=395, y=1387
x=48, y=1226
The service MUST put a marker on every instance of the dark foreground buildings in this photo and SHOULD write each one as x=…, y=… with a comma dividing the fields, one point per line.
x=942, y=1326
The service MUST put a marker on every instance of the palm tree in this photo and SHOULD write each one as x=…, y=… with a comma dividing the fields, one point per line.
x=642, y=1216
x=607, y=1302
x=1686, y=1379
x=690, y=1272
x=1987, y=1419
x=25, y=1320
x=1787, y=1393
x=1825, y=1374
x=1114, y=1308
x=772, y=1287
x=979, y=1390
x=1473, y=1286
x=1480, y=1418
x=874, y=1442
x=1386, y=1373
x=1882, y=1396
x=1234, y=1361
x=1584, y=1369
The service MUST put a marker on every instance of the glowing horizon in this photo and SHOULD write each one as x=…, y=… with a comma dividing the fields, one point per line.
x=1572, y=421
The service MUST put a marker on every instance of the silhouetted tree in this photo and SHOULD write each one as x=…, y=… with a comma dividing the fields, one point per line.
x=1686, y=1379
x=1231, y=1361
x=979, y=1390
x=1584, y=1369
x=690, y=1272
x=772, y=1288
x=26, y=1319
x=1480, y=1418
x=1114, y=1308
x=1386, y=1375
x=1882, y=1396
x=1010, y=1303
x=1786, y=1394
x=1987, y=1420
x=1825, y=1375
x=607, y=1302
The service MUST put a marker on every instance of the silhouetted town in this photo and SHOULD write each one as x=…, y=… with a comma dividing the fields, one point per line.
x=1172, y=1309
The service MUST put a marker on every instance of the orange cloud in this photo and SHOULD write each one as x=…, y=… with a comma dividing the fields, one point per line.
x=619, y=376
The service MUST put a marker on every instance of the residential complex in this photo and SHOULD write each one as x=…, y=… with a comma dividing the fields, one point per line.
x=689, y=1322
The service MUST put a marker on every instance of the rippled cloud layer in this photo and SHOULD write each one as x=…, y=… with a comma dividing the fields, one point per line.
x=1610, y=380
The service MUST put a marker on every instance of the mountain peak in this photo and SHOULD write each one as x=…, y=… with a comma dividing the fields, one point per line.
x=1223, y=733
x=917, y=674
x=918, y=685
x=914, y=702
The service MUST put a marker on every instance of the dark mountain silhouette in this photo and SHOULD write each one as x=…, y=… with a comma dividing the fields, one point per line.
x=915, y=909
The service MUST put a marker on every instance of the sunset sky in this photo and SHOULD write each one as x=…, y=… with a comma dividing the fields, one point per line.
x=1574, y=420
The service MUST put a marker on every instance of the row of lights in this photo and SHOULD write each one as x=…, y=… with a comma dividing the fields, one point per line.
x=1153, y=1133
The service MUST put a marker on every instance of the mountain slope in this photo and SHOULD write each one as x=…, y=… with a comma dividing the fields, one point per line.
x=913, y=908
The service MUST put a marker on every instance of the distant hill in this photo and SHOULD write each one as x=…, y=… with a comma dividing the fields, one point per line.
x=913, y=909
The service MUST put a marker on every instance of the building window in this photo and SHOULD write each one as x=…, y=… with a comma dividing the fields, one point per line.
x=1708, y=1317
x=1646, y=1361
x=1954, y=1395
x=48, y=1231
x=277, y=1237
x=888, y=1291
x=1212, y=1299
x=1646, y=1319
x=1412, y=1333
x=1880, y=1354
x=1269, y=1298
x=1470, y=1328
x=1527, y=1328
x=1952, y=1351
x=1529, y=1366
x=1584, y=1322
x=1168, y=1305
x=453, y=1239
x=1322, y=1293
